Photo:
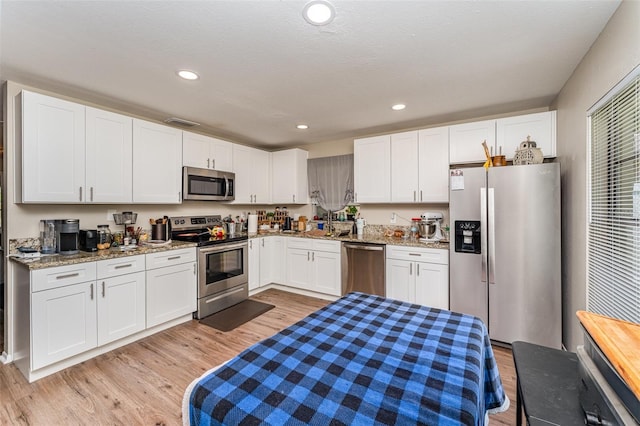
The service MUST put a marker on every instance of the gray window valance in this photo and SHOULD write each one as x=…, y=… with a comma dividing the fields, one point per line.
x=331, y=181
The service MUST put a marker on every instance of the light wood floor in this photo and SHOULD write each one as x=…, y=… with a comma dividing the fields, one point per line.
x=143, y=383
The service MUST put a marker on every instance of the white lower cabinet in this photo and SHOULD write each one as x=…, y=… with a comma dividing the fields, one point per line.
x=418, y=275
x=254, y=262
x=172, y=286
x=313, y=265
x=67, y=314
x=121, y=298
x=266, y=261
x=63, y=323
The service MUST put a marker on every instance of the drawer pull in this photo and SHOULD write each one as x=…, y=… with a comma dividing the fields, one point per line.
x=174, y=258
x=62, y=277
x=128, y=265
x=415, y=254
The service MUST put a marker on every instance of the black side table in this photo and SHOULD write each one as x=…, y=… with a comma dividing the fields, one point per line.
x=547, y=385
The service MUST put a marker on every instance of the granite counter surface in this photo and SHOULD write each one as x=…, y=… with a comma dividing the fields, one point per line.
x=367, y=238
x=49, y=261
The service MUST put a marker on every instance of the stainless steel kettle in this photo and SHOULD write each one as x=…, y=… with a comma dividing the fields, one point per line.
x=287, y=224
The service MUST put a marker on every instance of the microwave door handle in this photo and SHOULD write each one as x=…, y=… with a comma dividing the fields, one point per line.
x=226, y=187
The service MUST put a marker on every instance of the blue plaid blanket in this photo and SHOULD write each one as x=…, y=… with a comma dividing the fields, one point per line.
x=362, y=359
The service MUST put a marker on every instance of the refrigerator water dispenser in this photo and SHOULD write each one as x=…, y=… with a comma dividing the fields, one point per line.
x=467, y=236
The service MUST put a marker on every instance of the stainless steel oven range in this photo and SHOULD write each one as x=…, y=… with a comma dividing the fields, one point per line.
x=222, y=263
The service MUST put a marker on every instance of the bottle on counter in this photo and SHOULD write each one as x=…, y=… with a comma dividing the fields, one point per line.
x=104, y=237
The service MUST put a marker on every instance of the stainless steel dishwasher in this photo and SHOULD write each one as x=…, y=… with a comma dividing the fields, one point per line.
x=363, y=268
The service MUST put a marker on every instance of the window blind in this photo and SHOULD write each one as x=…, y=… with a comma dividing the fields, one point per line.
x=614, y=212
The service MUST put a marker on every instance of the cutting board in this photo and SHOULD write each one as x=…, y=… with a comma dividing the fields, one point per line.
x=620, y=342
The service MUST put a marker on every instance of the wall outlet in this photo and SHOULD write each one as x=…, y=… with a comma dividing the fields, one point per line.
x=110, y=214
x=393, y=218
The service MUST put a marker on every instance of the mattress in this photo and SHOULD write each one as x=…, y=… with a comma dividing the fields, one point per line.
x=362, y=359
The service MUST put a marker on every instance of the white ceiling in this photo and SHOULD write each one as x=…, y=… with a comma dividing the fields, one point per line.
x=264, y=69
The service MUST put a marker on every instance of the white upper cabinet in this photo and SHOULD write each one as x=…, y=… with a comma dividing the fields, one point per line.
x=53, y=150
x=206, y=152
x=503, y=135
x=289, y=177
x=405, y=167
x=108, y=157
x=253, y=175
x=540, y=127
x=465, y=141
x=157, y=159
x=372, y=169
x=433, y=174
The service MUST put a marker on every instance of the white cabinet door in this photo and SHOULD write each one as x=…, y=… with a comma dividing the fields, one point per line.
x=170, y=293
x=326, y=272
x=157, y=160
x=404, y=167
x=298, y=268
x=108, y=157
x=540, y=127
x=206, y=152
x=53, y=150
x=64, y=323
x=289, y=177
x=433, y=163
x=400, y=282
x=121, y=306
x=432, y=285
x=253, y=175
x=254, y=262
x=276, y=248
x=372, y=169
x=465, y=141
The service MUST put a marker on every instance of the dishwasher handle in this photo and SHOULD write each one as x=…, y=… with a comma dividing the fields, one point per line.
x=363, y=247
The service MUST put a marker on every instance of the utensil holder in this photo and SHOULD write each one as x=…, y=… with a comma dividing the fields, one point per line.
x=159, y=232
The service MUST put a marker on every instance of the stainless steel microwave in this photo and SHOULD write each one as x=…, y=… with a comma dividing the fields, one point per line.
x=208, y=185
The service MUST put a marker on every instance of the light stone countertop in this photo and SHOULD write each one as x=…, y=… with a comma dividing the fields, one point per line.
x=49, y=261
x=367, y=238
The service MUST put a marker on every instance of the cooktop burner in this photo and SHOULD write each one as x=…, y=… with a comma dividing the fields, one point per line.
x=196, y=229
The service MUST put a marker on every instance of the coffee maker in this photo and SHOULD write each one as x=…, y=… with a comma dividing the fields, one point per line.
x=67, y=232
x=430, y=226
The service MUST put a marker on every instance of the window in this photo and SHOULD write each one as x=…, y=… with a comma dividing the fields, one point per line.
x=614, y=203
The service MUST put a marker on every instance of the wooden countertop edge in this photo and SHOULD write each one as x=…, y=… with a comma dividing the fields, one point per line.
x=620, y=341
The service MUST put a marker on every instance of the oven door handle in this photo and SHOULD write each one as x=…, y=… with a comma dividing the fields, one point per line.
x=223, y=247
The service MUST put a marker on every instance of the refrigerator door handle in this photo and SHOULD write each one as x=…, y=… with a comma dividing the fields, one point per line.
x=483, y=233
x=492, y=239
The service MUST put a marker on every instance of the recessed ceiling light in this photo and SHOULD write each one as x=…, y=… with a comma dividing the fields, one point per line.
x=318, y=12
x=398, y=107
x=188, y=75
x=302, y=127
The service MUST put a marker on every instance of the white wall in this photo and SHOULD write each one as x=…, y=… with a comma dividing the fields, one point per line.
x=614, y=54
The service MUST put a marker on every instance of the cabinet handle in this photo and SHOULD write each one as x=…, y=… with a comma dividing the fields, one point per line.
x=294, y=198
x=417, y=269
x=421, y=195
x=174, y=257
x=91, y=295
x=411, y=269
x=103, y=289
x=263, y=242
x=355, y=197
x=128, y=265
x=91, y=192
x=308, y=256
x=194, y=269
x=179, y=195
x=62, y=277
x=208, y=160
x=414, y=196
x=213, y=163
x=80, y=193
x=313, y=256
x=251, y=244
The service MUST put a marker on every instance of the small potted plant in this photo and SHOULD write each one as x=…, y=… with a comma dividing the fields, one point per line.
x=351, y=212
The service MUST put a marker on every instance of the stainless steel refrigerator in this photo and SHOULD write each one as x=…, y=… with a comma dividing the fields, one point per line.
x=505, y=250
